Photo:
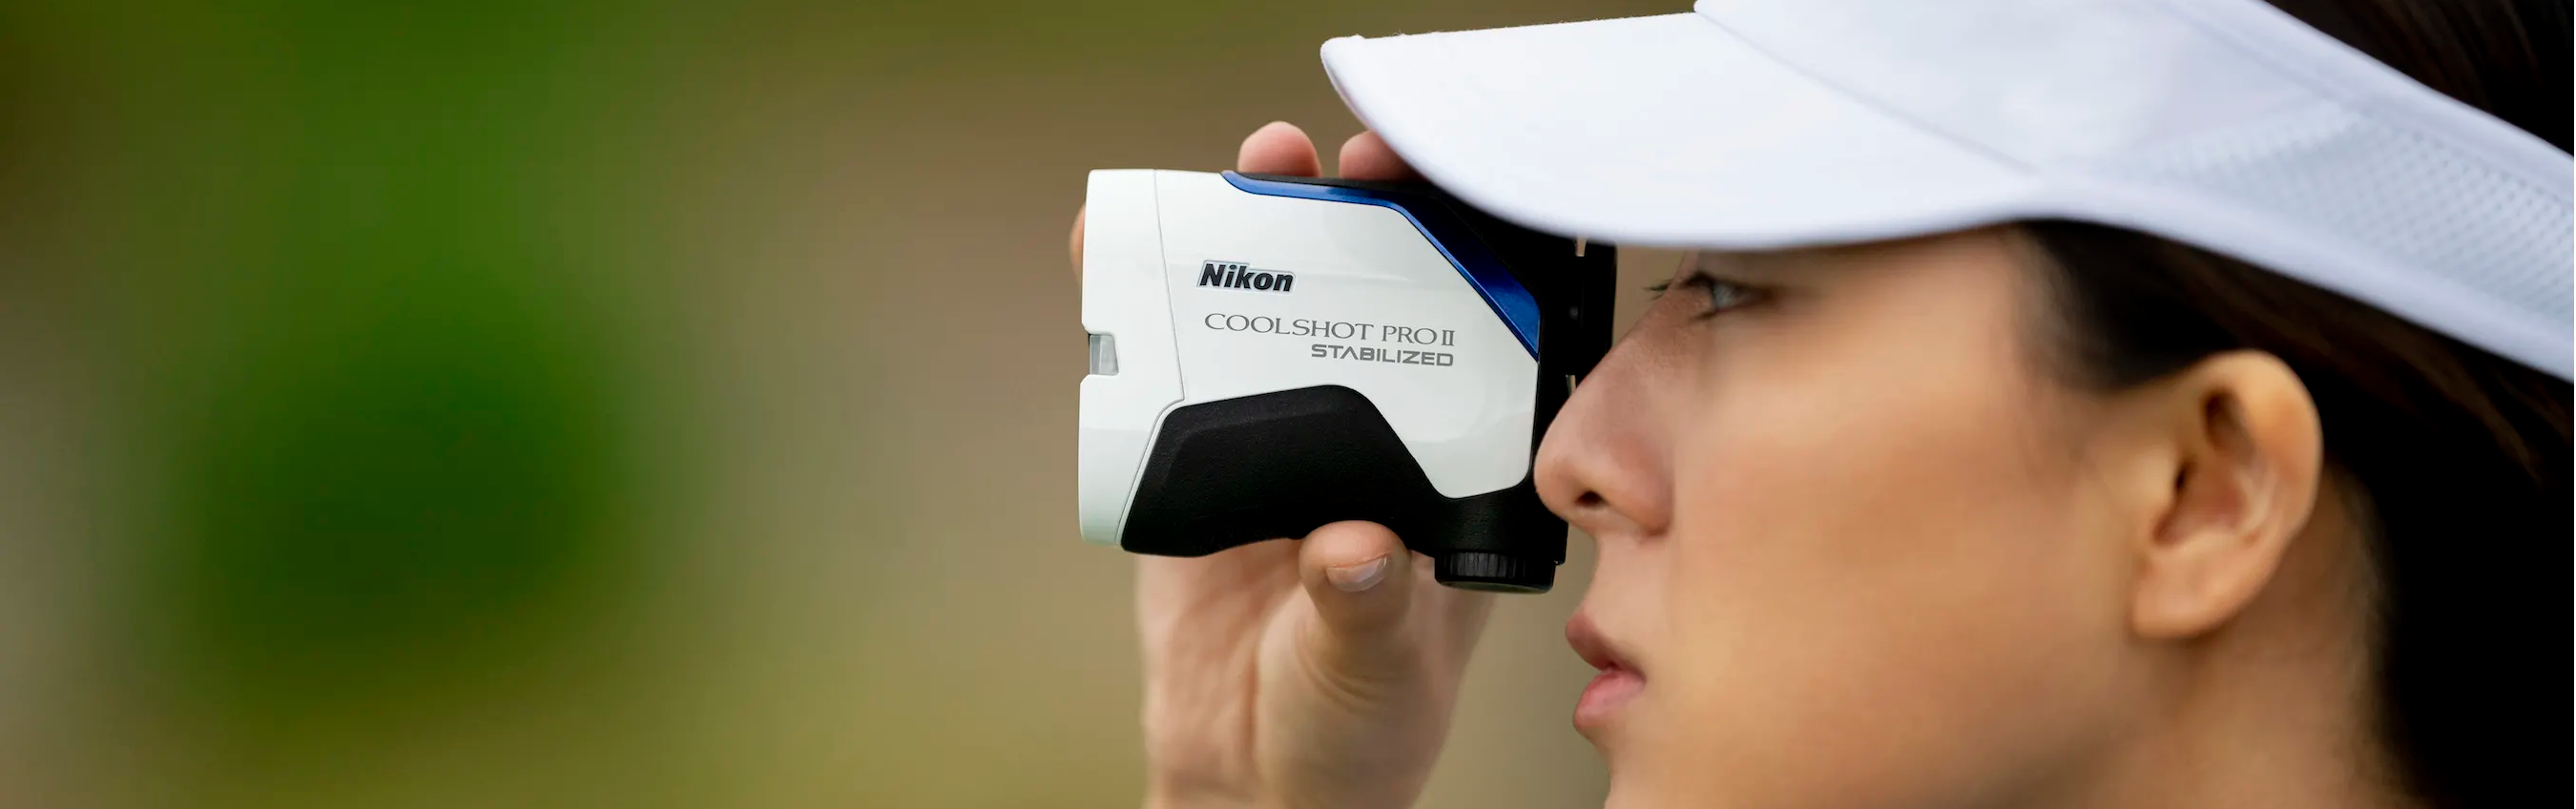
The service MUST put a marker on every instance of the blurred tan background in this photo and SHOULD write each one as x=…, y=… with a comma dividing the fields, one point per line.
x=523, y=404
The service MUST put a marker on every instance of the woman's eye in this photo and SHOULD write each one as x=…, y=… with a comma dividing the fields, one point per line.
x=1722, y=294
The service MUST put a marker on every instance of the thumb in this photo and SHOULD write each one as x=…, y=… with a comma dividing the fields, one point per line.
x=1360, y=578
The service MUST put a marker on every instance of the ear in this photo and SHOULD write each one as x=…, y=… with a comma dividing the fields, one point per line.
x=2242, y=454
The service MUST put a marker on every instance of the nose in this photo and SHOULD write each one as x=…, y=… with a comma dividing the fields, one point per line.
x=1605, y=465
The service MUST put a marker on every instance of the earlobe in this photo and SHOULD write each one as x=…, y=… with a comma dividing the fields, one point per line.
x=2249, y=451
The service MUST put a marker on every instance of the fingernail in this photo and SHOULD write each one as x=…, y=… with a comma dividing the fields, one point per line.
x=1354, y=578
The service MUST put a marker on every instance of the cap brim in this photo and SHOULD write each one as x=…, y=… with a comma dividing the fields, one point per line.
x=1665, y=130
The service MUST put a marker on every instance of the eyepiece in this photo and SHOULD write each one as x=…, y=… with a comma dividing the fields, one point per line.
x=1494, y=572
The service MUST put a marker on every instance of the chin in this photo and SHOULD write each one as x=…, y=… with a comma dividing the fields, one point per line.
x=1631, y=786
x=1626, y=794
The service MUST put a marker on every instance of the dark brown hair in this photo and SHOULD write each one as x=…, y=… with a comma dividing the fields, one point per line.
x=2461, y=457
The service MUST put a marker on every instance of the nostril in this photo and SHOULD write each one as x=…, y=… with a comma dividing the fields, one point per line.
x=1588, y=500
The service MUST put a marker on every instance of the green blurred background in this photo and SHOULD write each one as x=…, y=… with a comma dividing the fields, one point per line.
x=649, y=404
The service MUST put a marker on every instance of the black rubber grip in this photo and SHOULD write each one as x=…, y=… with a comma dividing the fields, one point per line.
x=1282, y=464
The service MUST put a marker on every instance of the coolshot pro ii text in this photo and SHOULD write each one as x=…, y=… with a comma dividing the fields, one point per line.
x=1270, y=354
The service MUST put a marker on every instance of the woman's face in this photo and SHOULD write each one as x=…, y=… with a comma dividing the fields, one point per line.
x=1847, y=541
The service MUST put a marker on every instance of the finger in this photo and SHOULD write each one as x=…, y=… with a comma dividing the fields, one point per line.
x=1233, y=588
x=1278, y=147
x=1228, y=574
x=1078, y=214
x=1366, y=157
x=1461, y=616
x=1361, y=579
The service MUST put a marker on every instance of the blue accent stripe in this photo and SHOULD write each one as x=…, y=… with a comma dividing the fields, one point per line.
x=1446, y=232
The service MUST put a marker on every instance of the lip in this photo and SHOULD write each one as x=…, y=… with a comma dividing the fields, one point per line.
x=1619, y=682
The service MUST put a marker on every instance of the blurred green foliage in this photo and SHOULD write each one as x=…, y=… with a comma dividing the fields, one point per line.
x=353, y=289
x=390, y=404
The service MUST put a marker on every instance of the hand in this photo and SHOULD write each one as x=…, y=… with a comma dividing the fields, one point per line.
x=1318, y=673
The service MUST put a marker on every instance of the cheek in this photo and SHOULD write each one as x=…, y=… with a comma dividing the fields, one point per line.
x=1882, y=570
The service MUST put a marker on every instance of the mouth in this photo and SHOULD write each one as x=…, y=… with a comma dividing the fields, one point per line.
x=1618, y=683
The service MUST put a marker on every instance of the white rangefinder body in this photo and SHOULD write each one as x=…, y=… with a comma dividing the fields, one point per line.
x=1269, y=354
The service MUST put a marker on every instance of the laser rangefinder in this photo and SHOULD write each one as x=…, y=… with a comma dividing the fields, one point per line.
x=1270, y=354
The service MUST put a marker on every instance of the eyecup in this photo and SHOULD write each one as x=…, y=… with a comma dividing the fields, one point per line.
x=1494, y=572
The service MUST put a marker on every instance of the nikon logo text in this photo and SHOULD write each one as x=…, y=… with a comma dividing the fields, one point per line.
x=1237, y=275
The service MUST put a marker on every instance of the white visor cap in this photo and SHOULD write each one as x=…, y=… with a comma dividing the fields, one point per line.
x=2226, y=124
